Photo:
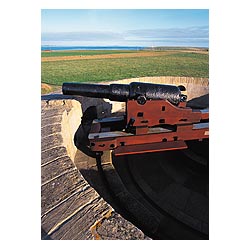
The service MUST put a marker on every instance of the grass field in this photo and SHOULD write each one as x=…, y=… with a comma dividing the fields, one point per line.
x=177, y=63
x=84, y=52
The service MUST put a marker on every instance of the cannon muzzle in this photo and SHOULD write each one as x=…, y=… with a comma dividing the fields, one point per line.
x=123, y=92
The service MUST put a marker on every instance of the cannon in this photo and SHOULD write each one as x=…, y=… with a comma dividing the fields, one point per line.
x=122, y=92
x=156, y=119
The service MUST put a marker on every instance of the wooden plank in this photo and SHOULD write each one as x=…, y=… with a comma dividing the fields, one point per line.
x=78, y=223
x=149, y=148
x=51, y=129
x=55, y=168
x=69, y=210
x=50, y=154
x=51, y=112
x=60, y=189
x=51, y=120
x=51, y=141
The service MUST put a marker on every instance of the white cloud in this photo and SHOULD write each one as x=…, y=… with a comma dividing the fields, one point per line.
x=190, y=36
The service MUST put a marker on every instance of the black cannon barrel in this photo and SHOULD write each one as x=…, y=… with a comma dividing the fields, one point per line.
x=123, y=92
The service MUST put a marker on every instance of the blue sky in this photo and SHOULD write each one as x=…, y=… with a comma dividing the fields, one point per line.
x=146, y=27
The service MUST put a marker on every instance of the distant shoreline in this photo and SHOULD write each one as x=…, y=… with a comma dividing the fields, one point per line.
x=48, y=48
x=56, y=48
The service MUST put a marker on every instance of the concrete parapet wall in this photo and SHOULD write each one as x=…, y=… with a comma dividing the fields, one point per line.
x=71, y=119
x=196, y=86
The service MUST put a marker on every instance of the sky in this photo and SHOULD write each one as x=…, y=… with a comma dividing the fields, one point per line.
x=145, y=27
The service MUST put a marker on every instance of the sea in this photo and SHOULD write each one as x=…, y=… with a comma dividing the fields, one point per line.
x=48, y=47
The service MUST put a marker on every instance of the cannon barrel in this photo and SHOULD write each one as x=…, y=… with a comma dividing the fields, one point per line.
x=124, y=92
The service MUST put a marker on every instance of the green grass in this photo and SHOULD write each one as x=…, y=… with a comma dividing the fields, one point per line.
x=96, y=70
x=84, y=52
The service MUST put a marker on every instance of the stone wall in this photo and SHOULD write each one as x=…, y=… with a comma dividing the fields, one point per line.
x=70, y=207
